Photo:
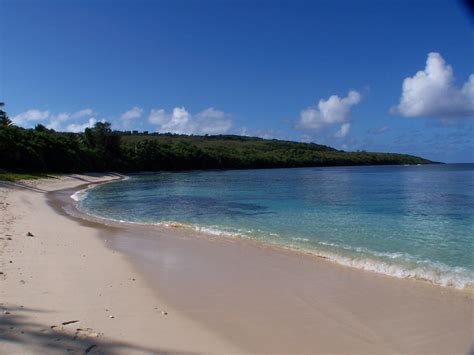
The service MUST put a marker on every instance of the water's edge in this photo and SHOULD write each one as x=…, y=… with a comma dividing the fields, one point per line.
x=440, y=276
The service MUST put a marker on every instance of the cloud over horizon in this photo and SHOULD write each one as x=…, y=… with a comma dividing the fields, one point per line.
x=134, y=112
x=30, y=116
x=180, y=121
x=343, y=130
x=77, y=127
x=57, y=121
x=334, y=110
x=432, y=93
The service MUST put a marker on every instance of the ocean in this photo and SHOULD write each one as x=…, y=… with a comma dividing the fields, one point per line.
x=403, y=221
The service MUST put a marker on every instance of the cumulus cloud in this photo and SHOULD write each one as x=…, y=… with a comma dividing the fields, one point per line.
x=432, y=93
x=134, y=112
x=342, y=132
x=30, y=116
x=157, y=117
x=334, y=110
x=54, y=121
x=213, y=121
x=180, y=121
x=78, y=127
x=262, y=133
x=81, y=113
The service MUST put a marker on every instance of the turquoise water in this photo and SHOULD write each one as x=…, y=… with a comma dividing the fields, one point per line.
x=404, y=221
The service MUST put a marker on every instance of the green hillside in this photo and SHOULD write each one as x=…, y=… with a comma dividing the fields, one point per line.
x=101, y=149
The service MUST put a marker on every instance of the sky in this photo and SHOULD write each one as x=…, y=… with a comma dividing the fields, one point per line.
x=390, y=76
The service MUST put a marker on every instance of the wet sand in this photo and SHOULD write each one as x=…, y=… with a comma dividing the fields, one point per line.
x=269, y=300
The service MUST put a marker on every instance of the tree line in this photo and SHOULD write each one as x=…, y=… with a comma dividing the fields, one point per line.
x=99, y=148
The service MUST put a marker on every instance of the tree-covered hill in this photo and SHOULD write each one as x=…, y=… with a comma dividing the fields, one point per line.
x=101, y=149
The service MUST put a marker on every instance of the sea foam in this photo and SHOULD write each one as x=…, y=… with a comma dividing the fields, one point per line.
x=400, y=265
x=80, y=195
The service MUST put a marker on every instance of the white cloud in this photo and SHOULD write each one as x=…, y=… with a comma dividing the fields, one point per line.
x=262, y=133
x=157, y=117
x=208, y=121
x=30, y=116
x=432, y=93
x=135, y=112
x=213, y=121
x=78, y=127
x=180, y=121
x=56, y=122
x=82, y=113
x=342, y=132
x=334, y=110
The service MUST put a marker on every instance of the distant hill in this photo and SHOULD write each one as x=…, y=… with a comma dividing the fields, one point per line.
x=101, y=149
x=230, y=151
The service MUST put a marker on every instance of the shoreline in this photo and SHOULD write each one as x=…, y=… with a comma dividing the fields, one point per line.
x=367, y=264
x=62, y=290
x=266, y=300
x=139, y=240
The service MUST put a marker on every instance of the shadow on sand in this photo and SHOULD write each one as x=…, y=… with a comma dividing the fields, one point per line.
x=25, y=186
x=18, y=329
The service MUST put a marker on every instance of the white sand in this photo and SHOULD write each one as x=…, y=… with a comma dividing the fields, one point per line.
x=66, y=273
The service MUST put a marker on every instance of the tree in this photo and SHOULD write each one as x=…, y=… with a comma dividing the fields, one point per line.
x=4, y=120
x=40, y=128
x=105, y=143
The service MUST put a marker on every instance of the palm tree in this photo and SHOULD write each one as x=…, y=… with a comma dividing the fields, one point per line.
x=4, y=120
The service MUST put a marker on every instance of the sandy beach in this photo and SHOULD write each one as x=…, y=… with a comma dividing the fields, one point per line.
x=83, y=285
x=65, y=273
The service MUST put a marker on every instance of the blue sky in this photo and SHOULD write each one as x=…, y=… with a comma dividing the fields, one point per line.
x=331, y=72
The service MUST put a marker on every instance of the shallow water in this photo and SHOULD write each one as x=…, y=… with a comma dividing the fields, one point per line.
x=405, y=221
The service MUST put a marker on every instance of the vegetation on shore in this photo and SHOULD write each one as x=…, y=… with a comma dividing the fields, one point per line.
x=6, y=176
x=41, y=150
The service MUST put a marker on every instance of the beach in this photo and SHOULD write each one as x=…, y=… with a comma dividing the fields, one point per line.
x=65, y=273
x=123, y=288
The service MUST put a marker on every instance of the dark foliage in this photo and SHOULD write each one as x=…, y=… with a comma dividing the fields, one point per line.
x=101, y=149
x=4, y=119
